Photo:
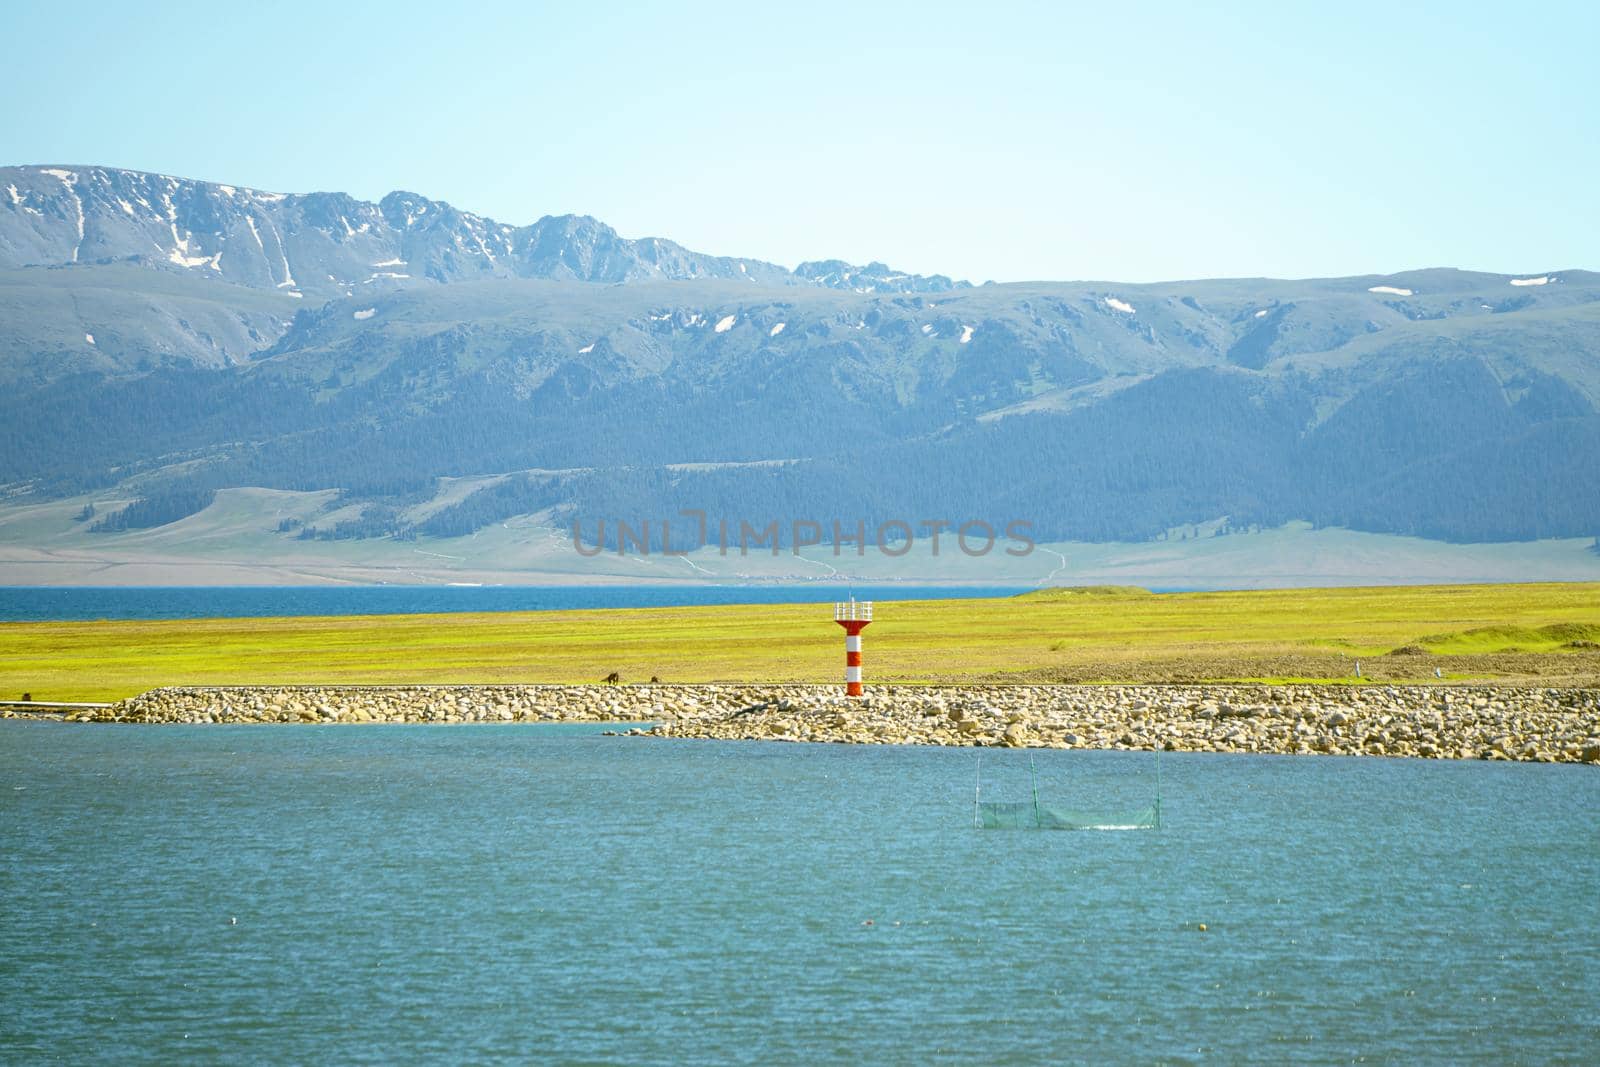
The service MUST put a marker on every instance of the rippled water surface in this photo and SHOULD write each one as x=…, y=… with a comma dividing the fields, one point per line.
x=389, y=894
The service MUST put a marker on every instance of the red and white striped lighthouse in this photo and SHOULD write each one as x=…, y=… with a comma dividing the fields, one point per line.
x=854, y=617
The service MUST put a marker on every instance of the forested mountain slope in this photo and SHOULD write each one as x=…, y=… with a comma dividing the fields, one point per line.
x=148, y=341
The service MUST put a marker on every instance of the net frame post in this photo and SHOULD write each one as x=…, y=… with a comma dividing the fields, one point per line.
x=1033, y=776
x=977, y=791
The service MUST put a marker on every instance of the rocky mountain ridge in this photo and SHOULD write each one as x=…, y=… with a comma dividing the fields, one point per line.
x=212, y=337
x=322, y=245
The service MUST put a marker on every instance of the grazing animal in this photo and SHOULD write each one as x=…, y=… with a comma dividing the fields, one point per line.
x=613, y=678
x=27, y=698
x=654, y=680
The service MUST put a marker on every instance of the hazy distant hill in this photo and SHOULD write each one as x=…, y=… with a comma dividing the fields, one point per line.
x=180, y=336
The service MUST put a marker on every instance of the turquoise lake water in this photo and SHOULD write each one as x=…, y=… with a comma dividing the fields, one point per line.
x=542, y=892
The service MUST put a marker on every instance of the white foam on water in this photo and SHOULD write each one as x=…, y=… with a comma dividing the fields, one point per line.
x=927, y=331
x=725, y=324
x=776, y=330
x=1119, y=305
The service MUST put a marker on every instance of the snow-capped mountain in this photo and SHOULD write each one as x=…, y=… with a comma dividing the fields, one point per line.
x=330, y=244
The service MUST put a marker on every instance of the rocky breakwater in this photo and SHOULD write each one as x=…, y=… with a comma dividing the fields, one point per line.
x=1441, y=722
x=420, y=703
x=1452, y=722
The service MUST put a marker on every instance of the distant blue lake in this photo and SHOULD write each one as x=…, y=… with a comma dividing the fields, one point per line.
x=35, y=604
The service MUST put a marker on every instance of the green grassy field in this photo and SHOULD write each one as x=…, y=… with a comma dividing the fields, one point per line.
x=1543, y=632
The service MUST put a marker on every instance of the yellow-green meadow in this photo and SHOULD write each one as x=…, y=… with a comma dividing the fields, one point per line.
x=1526, y=633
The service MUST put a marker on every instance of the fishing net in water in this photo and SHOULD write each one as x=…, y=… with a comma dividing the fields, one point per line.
x=1022, y=815
x=1034, y=814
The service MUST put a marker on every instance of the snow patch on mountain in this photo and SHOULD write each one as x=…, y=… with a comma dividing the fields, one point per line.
x=1119, y=305
x=1390, y=289
x=283, y=254
x=70, y=180
x=177, y=256
x=179, y=252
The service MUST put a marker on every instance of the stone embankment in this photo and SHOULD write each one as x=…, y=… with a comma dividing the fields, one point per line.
x=1459, y=722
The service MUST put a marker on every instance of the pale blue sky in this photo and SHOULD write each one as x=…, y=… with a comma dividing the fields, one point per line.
x=982, y=140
